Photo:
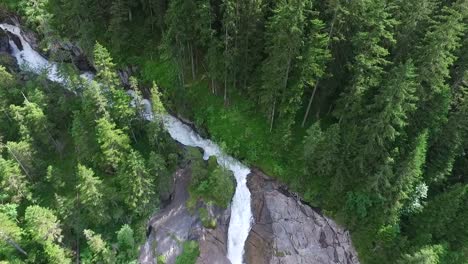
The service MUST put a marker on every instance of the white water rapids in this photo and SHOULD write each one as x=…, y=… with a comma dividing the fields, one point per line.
x=241, y=215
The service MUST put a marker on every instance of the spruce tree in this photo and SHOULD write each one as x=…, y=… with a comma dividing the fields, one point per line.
x=433, y=59
x=373, y=30
x=284, y=42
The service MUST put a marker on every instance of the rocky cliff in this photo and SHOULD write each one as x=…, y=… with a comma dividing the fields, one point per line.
x=288, y=231
x=173, y=225
x=285, y=230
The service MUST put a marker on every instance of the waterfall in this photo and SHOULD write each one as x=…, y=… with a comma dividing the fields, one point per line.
x=241, y=214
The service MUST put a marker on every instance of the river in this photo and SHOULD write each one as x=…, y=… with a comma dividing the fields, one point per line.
x=241, y=214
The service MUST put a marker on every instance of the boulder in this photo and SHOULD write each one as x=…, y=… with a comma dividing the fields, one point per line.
x=288, y=231
x=4, y=42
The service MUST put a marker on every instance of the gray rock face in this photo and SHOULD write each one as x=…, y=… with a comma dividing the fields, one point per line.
x=287, y=231
x=173, y=225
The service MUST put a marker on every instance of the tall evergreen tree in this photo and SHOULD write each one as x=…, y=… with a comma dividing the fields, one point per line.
x=113, y=142
x=136, y=183
x=90, y=195
x=284, y=42
x=433, y=60
x=373, y=30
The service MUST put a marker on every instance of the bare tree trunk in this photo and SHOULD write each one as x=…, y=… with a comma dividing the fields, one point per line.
x=246, y=56
x=273, y=110
x=192, y=61
x=17, y=160
x=77, y=233
x=13, y=243
x=180, y=63
x=212, y=86
x=152, y=19
x=226, y=66
x=285, y=84
x=310, y=103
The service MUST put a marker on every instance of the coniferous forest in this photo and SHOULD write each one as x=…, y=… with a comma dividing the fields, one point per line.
x=359, y=106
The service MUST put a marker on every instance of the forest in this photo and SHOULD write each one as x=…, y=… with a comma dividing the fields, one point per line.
x=359, y=106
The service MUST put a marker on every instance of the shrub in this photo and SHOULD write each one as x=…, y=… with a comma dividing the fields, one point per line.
x=190, y=253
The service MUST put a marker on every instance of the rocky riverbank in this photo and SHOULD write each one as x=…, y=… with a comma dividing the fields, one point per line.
x=285, y=230
x=174, y=224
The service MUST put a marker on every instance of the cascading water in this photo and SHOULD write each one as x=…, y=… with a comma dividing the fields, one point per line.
x=241, y=215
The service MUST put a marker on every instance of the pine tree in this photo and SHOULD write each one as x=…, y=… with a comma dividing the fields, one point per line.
x=121, y=15
x=251, y=19
x=426, y=255
x=33, y=124
x=120, y=110
x=44, y=228
x=136, y=184
x=113, y=143
x=323, y=165
x=90, y=195
x=15, y=187
x=10, y=237
x=409, y=187
x=388, y=116
x=156, y=103
x=126, y=243
x=373, y=30
x=413, y=19
x=284, y=41
x=451, y=141
x=230, y=31
x=435, y=223
x=433, y=59
x=315, y=58
x=106, y=71
x=99, y=248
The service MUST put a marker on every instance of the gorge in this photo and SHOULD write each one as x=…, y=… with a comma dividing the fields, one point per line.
x=321, y=242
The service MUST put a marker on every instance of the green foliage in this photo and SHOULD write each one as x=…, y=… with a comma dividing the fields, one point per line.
x=126, y=243
x=386, y=157
x=10, y=234
x=205, y=218
x=426, y=255
x=209, y=181
x=279, y=95
x=44, y=228
x=113, y=142
x=98, y=247
x=189, y=254
x=137, y=185
x=13, y=183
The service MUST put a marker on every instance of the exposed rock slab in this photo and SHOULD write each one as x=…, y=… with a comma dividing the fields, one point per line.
x=288, y=231
x=173, y=225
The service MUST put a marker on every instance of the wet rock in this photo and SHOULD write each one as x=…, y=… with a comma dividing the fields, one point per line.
x=82, y=63
x=125, y=74
x=213, y=242
x=175, y=224
x=4, y=42
x=16, y=40
x=9, y=62
x=8, y=17
x=288, y=231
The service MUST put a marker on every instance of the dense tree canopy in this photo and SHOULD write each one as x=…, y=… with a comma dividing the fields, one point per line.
x=360, y=106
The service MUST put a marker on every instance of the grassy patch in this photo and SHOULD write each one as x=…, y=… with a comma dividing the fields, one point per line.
x=239, y=128
x=206, y=220
x=189, y=254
